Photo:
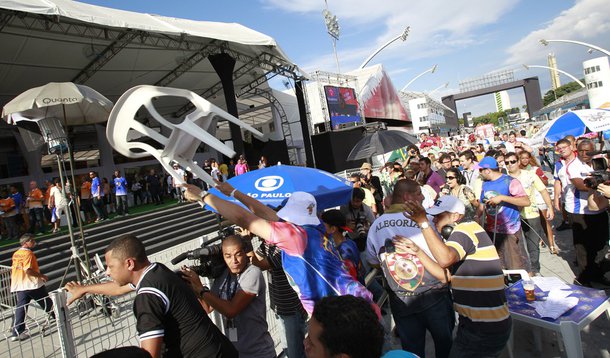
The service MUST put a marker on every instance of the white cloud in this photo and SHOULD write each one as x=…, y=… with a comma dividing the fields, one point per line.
x=436, y=29
x=586, y=21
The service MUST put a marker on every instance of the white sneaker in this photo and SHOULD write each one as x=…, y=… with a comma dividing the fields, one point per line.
x=21, y=337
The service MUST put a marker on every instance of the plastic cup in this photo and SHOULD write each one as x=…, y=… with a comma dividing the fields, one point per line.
x=528, y=288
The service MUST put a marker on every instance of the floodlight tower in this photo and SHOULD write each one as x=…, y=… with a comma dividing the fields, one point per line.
x=332, y=27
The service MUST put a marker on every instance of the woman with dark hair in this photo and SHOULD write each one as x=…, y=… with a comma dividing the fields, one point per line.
x=413, y=155
x=456, y=186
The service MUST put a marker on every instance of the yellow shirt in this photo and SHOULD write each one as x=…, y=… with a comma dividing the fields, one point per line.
x=224, y=169
x=24, y=259
x=531, y=184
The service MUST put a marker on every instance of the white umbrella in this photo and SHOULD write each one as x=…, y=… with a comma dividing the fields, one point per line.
x=54, y=107
x=74, y=104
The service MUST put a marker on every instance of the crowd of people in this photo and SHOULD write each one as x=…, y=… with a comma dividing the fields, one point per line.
x=39, y=210
x=441, y=224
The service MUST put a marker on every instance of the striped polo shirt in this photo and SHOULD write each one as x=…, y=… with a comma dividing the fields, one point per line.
x=478, y=281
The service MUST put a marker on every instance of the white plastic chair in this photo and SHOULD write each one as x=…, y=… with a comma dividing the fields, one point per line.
x=185, y=137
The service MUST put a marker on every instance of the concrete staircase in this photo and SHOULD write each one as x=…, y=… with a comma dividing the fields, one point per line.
x=158, y=230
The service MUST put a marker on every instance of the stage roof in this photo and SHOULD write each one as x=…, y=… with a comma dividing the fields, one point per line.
x=113, y=50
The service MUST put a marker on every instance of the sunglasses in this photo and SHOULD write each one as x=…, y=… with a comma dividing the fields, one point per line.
x=450, y=178
x=455, y=166
x=512, y=161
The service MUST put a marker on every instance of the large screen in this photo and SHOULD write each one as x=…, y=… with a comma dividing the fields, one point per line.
x=342, y=105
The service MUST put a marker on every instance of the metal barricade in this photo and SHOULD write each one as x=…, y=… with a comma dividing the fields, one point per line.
x=7, y=298
x=41, y=330
x=86, y=327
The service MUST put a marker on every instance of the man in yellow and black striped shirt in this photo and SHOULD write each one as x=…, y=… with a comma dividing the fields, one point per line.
x=477, y=281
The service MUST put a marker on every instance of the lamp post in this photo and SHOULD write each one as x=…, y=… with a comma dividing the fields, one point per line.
x=332, y=27
x=527, y=67
x=403, y=36
x=590, y=46
x=438, y=88
x=431, y=70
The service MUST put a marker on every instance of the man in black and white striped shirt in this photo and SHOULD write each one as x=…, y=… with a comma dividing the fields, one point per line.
x=167, y=312
x=284, y=300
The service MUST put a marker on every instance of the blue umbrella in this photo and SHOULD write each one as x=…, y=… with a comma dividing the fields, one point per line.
x=577, y=123
x=273, y=185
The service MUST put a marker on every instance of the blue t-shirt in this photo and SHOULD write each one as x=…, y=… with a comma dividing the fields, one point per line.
x=503, y=218
x=95, y=184
x=120, y=186
x=18, y=199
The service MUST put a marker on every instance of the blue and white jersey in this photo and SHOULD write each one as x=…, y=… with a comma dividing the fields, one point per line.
x=576, y=200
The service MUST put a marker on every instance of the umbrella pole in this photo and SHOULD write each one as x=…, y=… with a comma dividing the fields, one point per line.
x=77, y=209
x=74, y=249
x=74, y=195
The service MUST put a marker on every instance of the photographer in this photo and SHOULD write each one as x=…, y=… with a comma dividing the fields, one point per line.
x=359, y=218
x=239, y=295
x=587, y=209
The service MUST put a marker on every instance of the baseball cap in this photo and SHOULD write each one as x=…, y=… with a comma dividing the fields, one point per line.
x=300, y=209
x=447, y=204
x=366, y=166
x=488, y=163
x=336, y=218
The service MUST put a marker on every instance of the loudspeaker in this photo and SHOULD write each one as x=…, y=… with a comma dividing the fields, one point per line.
x=332, y=148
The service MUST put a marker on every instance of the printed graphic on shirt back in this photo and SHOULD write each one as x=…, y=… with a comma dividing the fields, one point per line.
x=406, y=269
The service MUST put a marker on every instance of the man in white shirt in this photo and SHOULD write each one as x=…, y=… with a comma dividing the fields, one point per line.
x=587, y=209
x=57, y=203
x=419, y=298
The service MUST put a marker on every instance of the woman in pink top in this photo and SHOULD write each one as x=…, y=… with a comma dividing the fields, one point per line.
x=241, y=167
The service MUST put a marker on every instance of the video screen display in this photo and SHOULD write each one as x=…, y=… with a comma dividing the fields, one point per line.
x=342, y=105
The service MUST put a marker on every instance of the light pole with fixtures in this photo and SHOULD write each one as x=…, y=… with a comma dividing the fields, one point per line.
x=527, y=67
x=590, y=46
x=445, y=85
x=431, y=70
x=403, y=36
x=332, y=27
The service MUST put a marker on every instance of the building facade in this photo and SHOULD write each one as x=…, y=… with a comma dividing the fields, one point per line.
x=597, y=80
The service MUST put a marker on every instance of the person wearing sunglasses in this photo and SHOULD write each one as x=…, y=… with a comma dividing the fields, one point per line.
x=530, y=215
x=502, y=197
x=456, y=186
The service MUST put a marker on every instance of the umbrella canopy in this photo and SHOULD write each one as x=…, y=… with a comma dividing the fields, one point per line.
x=272, y=185
x=74, y=104
x=380, y=142
x=577, y=123
x=538, y=138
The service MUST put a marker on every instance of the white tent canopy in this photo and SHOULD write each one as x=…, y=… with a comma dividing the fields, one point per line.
x=113, y=50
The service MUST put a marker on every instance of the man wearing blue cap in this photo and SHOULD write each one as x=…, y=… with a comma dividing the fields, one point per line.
x=502, y=197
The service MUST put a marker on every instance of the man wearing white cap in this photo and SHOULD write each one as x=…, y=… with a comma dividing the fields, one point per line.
x=308, y=257
x=477, y=281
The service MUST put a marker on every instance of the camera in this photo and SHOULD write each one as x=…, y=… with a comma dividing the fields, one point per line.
x=211, y=263
x=361, y=232
x=596, y=177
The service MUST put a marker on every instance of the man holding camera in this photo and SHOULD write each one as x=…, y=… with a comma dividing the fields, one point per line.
x=359, y=217
x=239, y=295
x=587, y=209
